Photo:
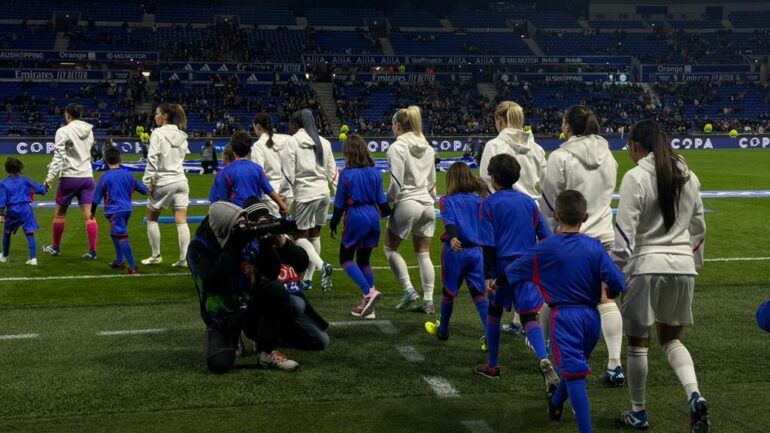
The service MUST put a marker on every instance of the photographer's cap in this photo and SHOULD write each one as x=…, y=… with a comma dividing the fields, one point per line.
x=223, y=216
x=255, y=209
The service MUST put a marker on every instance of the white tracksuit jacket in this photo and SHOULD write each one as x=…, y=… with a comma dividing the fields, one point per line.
x=72, y=151
x=308, y=180
x=168, y=147
x=271, y=159
x=642, y=244
x=530, y=156
x=412, y=163
x=584, y=164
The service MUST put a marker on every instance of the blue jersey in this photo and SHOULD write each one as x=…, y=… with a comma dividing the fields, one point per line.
x=511, y=222
x=240, y=180
x=569, y=269
x=359, y=186
x=115, y=188
x=18, y=190
x=359, y=191
x=213, y=190
x=462, y=211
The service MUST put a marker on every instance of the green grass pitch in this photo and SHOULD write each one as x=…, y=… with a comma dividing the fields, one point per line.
x=69, y=379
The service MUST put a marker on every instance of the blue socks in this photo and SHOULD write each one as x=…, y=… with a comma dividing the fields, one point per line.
x=355, y=274
x=31, y=244
x=578, y=398
x=125, y=248
x=368, y=274
x=535, y=339
x=6, y=243
x=492, y=332
x=445, y=312
x=118, y=250
x=482, y=306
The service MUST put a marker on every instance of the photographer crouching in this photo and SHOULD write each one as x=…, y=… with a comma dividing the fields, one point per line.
x=235, y=263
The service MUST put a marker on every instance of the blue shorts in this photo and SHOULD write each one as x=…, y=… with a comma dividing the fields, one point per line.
x=119, y=223
x=361, y=227
x=20, y=216
x=574, y=332
x=523, y=297
x=456, y=266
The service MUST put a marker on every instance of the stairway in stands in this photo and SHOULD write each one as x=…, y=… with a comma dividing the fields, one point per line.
x=328, y=105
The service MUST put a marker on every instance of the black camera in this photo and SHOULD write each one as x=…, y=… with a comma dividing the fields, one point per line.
x=269, y=226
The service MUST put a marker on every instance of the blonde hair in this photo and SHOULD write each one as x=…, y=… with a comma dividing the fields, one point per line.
x=512, y=113
x=409, y=119
x=228, y=155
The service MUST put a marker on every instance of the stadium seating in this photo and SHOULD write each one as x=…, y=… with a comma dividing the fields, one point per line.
x=750, y=19
x=464, y=43
x=171, y=13
x=617, y=24
x=16, y=36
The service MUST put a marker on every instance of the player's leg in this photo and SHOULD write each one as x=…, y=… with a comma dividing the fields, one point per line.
x=451, y=279
x=180, y=201
x=92, y=229
x=474, y=278
x=6, y=245
x=32, y=247
x=490, y=368
x=612, y=329
x=315, y=240
x=304, y=215
x=183, y=236
x=422, y=235
x=153, y=235
x=671, y=298
x=57, y=229
x=398, y=229
x=638, y=317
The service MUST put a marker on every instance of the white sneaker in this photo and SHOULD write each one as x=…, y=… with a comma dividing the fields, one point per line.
x=3, y=259
x=152, y=260
x=179, y=264
x=32, y=262
x=371, y=316
x=276, y=359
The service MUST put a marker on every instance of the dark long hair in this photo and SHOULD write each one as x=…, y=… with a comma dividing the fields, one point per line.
x=581, y=120
x=265, y=120
x=175, y=114
x=304, y=119
x=356, y=153
x=670, y=176
x=460, y=178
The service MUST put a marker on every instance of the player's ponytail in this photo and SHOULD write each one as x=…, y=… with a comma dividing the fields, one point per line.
x=74, y=110
x=175, y=114
x=511, y=113
x=409, y=119
x=581, y=120
x=304, y=119
x=669, y=175
x=265, y=120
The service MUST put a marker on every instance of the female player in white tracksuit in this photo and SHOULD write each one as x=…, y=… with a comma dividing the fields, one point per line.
x=584, y=163
x=412, y=193
x=514, y=141
x=309, y=168
x=268, y=152
x=72, y=163
x=165, y=179
x=660, y=231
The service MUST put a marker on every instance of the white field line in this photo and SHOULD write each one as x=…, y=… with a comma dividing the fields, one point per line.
x=174, y=274
x=18, y=336
x=410, y=353
x=441, y=386
x=130, y=332
x=93, y=277
x=478, y=426
x=362, y=322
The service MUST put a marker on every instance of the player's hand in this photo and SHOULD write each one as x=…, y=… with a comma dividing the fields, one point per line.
x=456, y=244
x=283, y=210
x=490, y=286
x=2, y=219
x=47, y=183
